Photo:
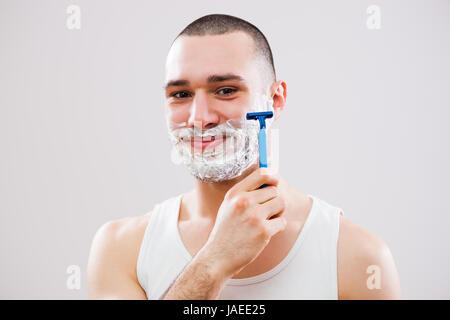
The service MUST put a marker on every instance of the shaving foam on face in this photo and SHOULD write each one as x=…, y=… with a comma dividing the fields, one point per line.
x=234, y=146
x=263, y=103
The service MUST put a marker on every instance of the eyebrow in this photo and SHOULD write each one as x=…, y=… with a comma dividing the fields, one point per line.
x=211, y=79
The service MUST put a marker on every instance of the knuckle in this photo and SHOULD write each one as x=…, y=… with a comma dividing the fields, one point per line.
x=260, y=171
x=269, y=177
x=281, y=202
x=263, y=173
x=242, y=202
x=283, y=222
x=274, y=190
x=253, y=220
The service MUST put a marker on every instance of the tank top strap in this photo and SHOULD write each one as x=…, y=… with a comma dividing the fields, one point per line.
x=324, y=238
x=159, y=261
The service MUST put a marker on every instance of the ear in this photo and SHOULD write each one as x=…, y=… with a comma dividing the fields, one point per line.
x=278, y=94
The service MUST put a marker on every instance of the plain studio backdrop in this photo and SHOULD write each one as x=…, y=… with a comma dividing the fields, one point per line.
x=83, y=138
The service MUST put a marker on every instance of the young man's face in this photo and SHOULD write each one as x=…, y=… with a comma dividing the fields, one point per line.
x=210, y=82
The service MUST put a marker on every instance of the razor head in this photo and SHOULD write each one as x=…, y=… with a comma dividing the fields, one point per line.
x=261, y=116
x=257, y=115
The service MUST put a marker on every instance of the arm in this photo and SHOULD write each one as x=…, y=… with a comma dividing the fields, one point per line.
x=366, y=267
x=244, y=225
x=202, y=279
x=112, y=260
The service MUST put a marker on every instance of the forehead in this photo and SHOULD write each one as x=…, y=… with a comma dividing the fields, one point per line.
x=196, y=57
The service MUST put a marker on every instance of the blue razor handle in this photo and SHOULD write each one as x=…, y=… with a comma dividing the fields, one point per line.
x=262, y=139
x=262, y=144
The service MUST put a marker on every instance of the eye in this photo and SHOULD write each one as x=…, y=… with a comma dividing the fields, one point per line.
x=180, y=94
x=226, y=91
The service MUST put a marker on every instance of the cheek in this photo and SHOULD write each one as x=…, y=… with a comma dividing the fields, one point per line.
x=177, y=115
x=236, y=112
x=236, y=109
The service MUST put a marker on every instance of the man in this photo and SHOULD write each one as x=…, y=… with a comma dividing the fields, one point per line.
x=231, y=238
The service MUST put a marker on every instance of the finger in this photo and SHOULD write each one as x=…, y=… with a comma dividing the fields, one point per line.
x=273, y=226
x=271, y=208
x=257, y=178
x=260, y=196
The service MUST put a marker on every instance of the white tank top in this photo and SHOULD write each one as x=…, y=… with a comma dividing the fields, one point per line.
x=309, y=271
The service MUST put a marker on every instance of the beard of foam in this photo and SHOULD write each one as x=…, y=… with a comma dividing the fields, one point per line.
x=227, y=161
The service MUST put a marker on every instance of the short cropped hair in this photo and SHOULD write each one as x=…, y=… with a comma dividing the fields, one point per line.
x=216, y=24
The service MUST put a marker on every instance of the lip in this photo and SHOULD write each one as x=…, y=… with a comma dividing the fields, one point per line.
x=206, y=142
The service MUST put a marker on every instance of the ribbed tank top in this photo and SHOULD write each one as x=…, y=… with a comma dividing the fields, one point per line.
x=309, y=271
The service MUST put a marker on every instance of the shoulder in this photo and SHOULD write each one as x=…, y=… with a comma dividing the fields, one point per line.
x=366, y=268
x=111, y=270
x=123, y=230
x=117, y=242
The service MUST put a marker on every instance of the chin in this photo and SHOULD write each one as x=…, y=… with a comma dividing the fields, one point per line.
x=234, y=177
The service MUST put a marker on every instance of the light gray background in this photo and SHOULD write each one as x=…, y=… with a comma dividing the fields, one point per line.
x=83, y=140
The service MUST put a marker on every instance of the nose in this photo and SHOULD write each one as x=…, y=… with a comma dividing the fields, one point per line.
x=202, y=115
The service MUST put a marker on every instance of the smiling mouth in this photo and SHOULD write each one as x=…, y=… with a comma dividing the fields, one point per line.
x=201, y=143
